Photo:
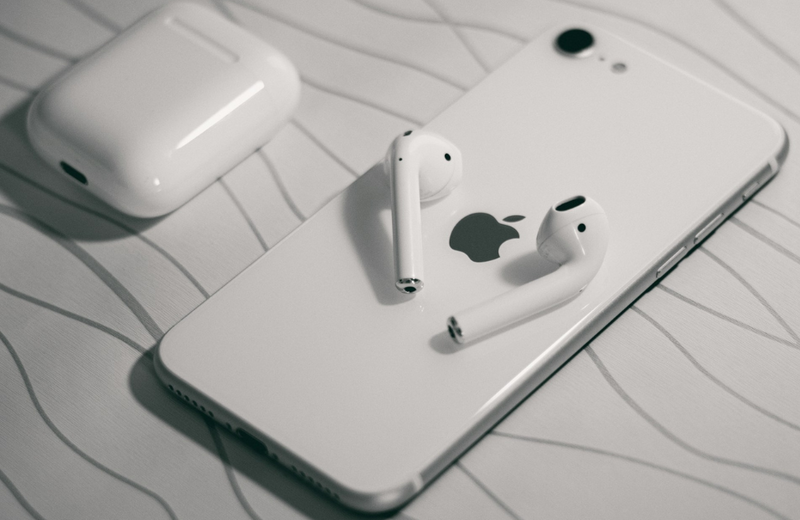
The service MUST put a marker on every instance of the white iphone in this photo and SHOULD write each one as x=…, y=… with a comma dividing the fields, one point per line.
x=315, y=358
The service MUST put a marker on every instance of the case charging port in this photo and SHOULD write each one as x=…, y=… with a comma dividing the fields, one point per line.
x=72, y=172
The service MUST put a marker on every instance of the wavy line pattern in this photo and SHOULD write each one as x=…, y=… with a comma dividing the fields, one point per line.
x=674, y=438
x=226, y=463
x=85, y=456
x=344, y=95
x=753, y=291
x=758, y=35
x=488, y=491
x=220, y=4
x=31, y=44
x=718, y=64
x=763, y=238
x=127, y=298
x=96, y=267
x=244, y=214
x=775, y=212
x=16, y=86
x=20, y=498
x=221, y=7
x=94, y=15
x=725, y=317
x=454, y=30
x=318, y=86
x=71, y=315
x=641, y=462
x=324, y=148
x=709, y=375
x=281, y=186
x=356, y=48
x=148, y=354
x=160, y=250
x=400, y=16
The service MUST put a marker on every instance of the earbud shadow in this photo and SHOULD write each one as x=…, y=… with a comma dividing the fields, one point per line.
x=527, y=268
x=365, y=200
x=275, y=479
x=444, y=344
x=38, y=190
x=520, y=271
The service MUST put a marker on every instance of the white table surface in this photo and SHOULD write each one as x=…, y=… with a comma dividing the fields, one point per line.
x=688, y=406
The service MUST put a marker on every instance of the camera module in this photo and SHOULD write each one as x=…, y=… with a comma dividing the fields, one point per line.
x=576, y=43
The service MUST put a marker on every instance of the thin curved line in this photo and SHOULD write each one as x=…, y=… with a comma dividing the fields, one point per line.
x=467, y=45
x=31, y=44
x=149, y=355
x=220, y=5
x=709, y=375
x=733, y=75
x=367, y=52
x=160, y=250
x=645, y=463
x=93, y=15
x=752, y=290
x=226, y=463
x=16, y=86
x=274, y=172
x=768, y=241
x=70, y=444
x=244, y=214
x=227, y=12
x=96, y=267
x=674, y=438
x=344, y=95
x=488, y=491
x=775, y=211
x=324, y=148
x=758, y=35
x=71, y=315
x=725, y=317
x=401, y=16
x=21, y=499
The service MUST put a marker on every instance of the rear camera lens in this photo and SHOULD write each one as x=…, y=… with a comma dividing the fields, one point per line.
x=575, y=42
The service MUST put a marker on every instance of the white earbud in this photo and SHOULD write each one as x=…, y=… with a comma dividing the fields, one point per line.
x=573, y=234
x=421, y=166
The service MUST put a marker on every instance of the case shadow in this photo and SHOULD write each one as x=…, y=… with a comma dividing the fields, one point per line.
x=38, y=190
x=271, y=476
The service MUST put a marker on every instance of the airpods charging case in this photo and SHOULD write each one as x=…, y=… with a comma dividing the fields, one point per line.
x=164, y=109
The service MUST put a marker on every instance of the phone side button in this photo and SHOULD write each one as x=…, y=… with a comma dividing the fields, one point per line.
x=674, y=259
x=750, y=190
x=708, y=228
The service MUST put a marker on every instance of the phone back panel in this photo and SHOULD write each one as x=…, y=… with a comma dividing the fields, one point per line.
x=313, y=351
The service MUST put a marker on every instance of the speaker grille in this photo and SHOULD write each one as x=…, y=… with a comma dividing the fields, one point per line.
x=256, y=444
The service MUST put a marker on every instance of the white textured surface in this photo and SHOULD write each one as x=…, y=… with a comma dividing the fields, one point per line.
x=686, y=406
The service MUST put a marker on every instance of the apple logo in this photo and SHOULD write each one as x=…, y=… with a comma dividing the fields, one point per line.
x=480, y=235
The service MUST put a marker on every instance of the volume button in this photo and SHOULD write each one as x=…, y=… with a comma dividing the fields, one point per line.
x=707, y=229
x=674, y=259
x=750, y=190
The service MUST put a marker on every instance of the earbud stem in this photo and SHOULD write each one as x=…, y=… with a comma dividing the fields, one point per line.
x=517, y=304
x=406, y=224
